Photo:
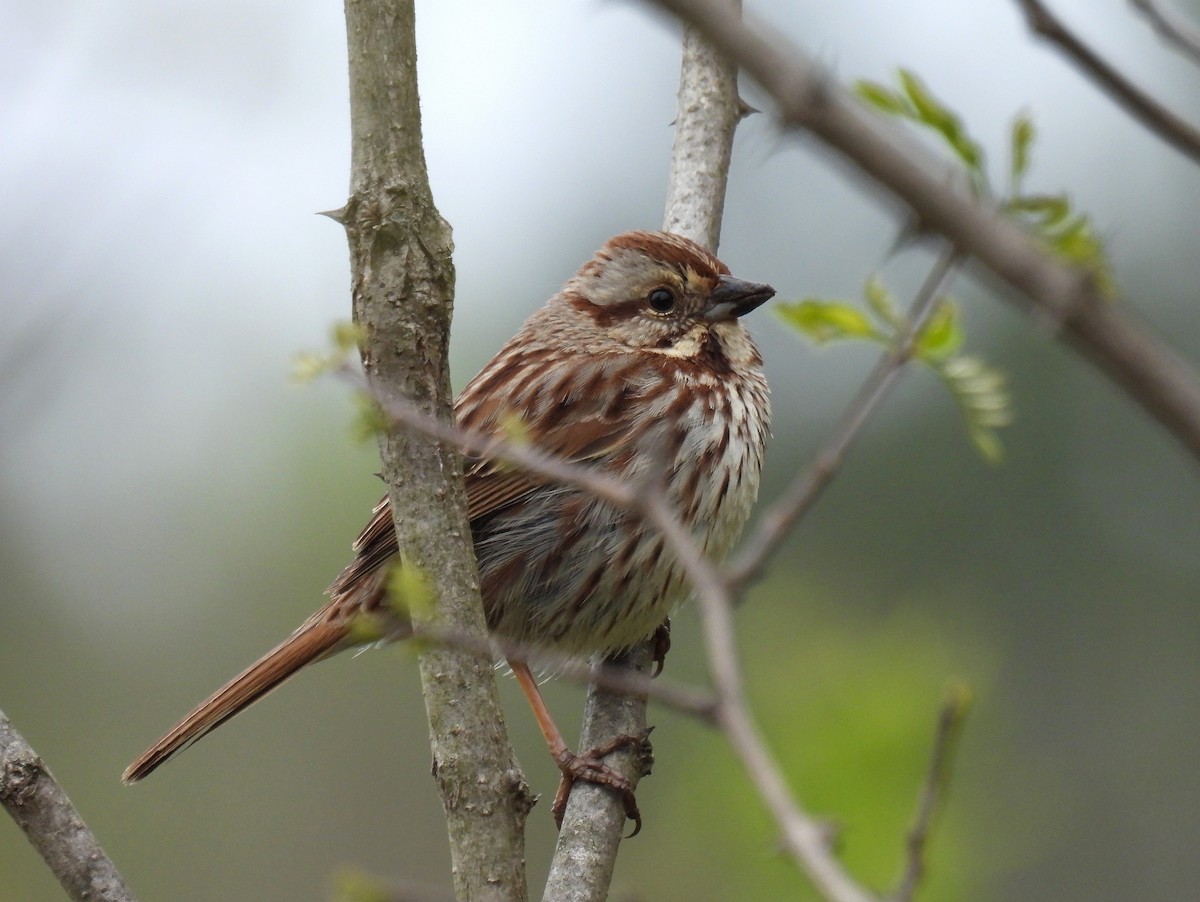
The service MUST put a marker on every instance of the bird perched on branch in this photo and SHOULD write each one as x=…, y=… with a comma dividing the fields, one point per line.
x=639, y=365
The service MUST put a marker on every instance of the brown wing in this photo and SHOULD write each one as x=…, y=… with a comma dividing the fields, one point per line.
x=574, y=425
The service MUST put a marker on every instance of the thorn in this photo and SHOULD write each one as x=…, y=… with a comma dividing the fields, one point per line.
x=338, y=215
x=744, y=109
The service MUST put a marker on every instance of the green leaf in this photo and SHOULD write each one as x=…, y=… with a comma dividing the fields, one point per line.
x=369, y=418
x=347, y=336
x=935, y=114
x=308, y=365
x=1070, y=236
x=1049, y=209
x=824, y=321
x=352, y=885
x=409, y=592
x=1075, y=241
x=515, y=429
x=982, y=398
x=884, y=99
x=365, y=629
x=1023, y=134
x=881, y=301
x=943, y=335
x=988, y=444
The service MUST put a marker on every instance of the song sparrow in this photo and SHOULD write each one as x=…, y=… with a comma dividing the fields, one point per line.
x=639, y=362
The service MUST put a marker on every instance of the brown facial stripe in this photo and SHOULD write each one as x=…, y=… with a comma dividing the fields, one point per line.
x=673, y=249
x=607, y=315
x=711, y=356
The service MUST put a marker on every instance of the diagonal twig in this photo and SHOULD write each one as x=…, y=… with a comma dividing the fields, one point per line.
x=1172, y=27
x=937, y=777
x=31, y=795
x=804, y=837
x=1180, y=134
x=799, y=497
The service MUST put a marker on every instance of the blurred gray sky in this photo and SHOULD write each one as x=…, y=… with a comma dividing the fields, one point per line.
x=161, y=264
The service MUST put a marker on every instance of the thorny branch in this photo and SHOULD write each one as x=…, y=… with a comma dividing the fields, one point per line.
x=402, y=291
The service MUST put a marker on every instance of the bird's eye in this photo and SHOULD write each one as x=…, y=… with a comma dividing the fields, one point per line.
x=661, y=299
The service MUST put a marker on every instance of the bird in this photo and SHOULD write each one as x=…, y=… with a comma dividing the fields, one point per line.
x=639, y=366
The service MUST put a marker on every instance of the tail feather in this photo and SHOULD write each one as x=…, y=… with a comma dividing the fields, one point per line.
x=316, y=639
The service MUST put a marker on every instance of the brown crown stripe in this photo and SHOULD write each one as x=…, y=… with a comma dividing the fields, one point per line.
x=674, y=249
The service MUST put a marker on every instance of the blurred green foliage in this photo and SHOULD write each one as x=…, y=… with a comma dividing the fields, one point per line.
x=1067, y=233
x=978, y=389
x=849, y=705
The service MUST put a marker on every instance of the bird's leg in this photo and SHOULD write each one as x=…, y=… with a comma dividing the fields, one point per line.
x=588, y=766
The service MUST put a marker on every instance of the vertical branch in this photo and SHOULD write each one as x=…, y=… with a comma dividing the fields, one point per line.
x=708, y=111
x=592, y=827
x=42, y=810
x=707, y=115
x=937, y=779
x=403, y=285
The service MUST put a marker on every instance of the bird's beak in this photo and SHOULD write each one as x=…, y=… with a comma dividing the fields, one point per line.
x=733, y=298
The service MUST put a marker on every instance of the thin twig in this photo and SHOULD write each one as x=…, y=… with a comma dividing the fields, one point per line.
x=778, y=520
x=688, y=700
x=1153, y=115
x=803, y=837
x=403, y=412
x=807, y=97
x=30, y=794
x=933, y=789
x=1172, y=27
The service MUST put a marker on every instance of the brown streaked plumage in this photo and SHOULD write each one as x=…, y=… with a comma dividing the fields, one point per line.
x=639, y=362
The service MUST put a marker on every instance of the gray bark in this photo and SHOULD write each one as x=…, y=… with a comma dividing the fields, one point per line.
x=30, y=794
x=403, y=287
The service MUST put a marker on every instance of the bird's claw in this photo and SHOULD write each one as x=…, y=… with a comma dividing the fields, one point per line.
x=660, y=644
x=591, y=769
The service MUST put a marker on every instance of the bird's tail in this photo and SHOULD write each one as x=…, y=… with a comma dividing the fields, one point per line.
x=319, y=637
